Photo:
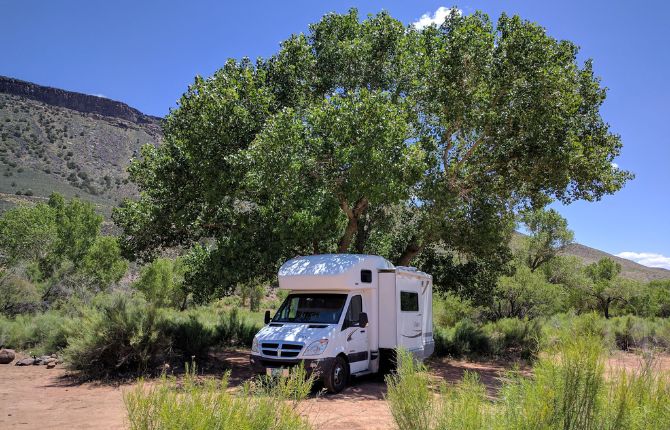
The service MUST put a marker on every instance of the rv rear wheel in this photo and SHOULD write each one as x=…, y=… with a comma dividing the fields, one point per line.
x=337, y=376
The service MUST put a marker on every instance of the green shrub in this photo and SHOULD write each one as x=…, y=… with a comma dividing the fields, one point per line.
x=232, y=330
x=466, y=338
x=189, y=334
x=638, y=401
x=513, y=336
x=42, y=333
x=17, y=295
x=451, y=308
x=564, y=392
x=408, y=395
x=464, y=406
x=120, y=333
x=568, y=391
x=210, y=405
x=161, y=282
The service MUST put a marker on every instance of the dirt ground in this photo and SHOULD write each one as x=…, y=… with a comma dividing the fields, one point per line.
x=36, y=397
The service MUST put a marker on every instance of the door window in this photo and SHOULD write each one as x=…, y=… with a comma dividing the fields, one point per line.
x=354, y=311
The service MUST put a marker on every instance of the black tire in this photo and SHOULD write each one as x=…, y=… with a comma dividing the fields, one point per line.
x=337, y=377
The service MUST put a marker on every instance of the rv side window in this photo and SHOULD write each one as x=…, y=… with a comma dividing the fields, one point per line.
x=354, y=311
x=409, y=302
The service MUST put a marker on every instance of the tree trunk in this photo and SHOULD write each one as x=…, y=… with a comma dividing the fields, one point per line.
x=606, y=309
x=412, y=250
x=352, y=226
x=345, y=240
x=362, y=233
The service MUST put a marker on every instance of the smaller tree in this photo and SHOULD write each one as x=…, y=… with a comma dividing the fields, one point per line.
x=525, y=294
x=17, y=295
x=606, y=287
x=27, y=233
x=548, y=234
x=162, y=282
x=103, y=262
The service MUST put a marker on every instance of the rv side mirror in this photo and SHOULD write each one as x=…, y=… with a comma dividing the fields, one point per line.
x=267, y=317
x=363, y=319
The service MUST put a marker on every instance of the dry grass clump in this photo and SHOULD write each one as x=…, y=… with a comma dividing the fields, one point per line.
x=568, y=391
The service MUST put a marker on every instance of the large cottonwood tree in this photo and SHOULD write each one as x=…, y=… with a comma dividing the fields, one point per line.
x=372, y=136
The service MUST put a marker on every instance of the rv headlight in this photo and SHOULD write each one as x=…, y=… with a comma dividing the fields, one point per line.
x=316, y=347
x=254, y=345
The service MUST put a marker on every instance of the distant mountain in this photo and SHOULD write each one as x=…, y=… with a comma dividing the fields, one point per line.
x=629, y=269
x=72, y=143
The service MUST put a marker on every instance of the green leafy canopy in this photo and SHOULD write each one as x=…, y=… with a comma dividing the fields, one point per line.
x=369, y=135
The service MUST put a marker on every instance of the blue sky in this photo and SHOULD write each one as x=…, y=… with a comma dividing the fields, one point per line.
x=145, y=53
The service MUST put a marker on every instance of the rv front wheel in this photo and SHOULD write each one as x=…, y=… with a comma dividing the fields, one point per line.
x=337, y=377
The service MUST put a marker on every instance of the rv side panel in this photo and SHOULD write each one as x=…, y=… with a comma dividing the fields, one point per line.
x=410, y=310
x=387, y=309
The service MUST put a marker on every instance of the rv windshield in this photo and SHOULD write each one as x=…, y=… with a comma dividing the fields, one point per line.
x=311, y=308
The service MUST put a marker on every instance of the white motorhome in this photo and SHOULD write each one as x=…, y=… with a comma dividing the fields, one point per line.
x=344, y=316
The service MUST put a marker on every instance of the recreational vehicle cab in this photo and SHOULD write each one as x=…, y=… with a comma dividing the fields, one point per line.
x=344, y=315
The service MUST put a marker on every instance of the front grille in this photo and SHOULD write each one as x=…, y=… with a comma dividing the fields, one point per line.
x=281, y=349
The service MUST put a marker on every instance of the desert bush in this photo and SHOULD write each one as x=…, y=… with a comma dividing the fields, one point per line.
x=642, y=333
x=615, y=333
x=638, y=401
x=190, y=334
x=161, y=282
x=567, y=391
x=17, y=295
x=590, y=324
x=42, y=333
x=450, y=308
x=233, y=330
x=564, y=392
x=210, y=405
x=464, y=407
x=119, y=333
x=409, y=396
x=465, y=338
x=294, y=387
x=513, y=336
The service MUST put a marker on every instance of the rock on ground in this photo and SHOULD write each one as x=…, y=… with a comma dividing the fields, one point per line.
x=7, y=356
x=26, y=362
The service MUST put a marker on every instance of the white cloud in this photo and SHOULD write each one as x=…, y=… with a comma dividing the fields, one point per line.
x=436, y=18
x=647, y=259
x=615, y=165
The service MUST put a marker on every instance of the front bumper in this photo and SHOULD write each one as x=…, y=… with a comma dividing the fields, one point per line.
x=316, y=367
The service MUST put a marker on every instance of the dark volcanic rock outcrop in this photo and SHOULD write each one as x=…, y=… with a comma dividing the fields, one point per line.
x=75, y=101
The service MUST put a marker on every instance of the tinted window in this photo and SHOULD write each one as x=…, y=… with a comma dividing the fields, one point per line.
x=366, y=276
x=409, y=302
x=355, y=309
x=311, y=308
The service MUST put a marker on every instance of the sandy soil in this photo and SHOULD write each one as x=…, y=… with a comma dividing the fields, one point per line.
x=36, y=397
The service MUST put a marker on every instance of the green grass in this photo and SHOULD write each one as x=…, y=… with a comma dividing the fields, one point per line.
x=568, y=391
x=43, y=333
x=192, y=404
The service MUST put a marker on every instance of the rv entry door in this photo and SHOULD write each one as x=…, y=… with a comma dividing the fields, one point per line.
x=356, y=337
x=410, y=319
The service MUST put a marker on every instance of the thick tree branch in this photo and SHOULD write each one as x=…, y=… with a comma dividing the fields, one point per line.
x=412, y=249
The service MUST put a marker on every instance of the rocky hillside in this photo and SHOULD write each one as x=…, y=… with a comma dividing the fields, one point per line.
x=629, y=269
x=72, y=143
